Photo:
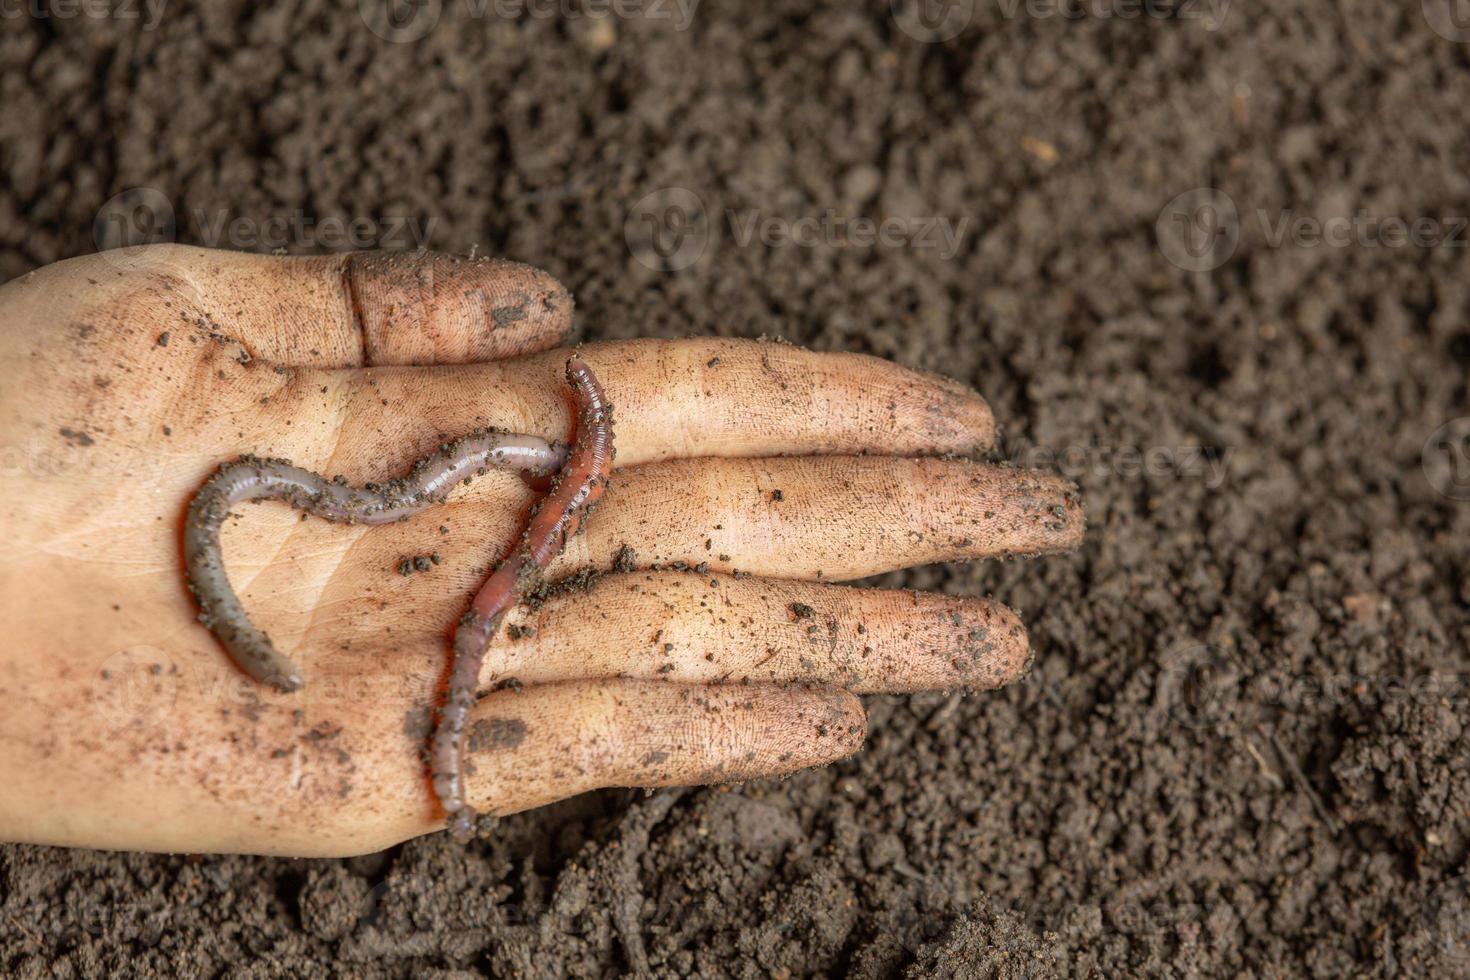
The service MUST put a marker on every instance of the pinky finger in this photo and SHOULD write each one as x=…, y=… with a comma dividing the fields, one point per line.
x=542, y=744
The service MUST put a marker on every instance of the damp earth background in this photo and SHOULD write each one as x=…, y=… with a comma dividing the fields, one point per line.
x=1227, y=757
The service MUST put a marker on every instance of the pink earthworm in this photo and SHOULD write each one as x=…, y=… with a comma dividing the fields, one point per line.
x=253, y=478
x=557, y=517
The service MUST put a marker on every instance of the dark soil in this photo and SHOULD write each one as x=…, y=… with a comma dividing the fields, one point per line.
x=1243, y=746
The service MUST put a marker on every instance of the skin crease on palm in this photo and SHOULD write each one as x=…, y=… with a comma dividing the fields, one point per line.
x=713, y=647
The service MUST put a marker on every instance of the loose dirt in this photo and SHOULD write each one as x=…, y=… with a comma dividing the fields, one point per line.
x=1242, y=747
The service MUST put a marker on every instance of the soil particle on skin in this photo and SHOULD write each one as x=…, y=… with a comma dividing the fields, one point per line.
x=626, y=559
x=488, y=734
x=76, y=437
x=417, y=563
x=504, y=316
x=418, y=724
x=1241, y=748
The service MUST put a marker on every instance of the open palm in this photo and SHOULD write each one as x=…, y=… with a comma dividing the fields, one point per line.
x=693, y=633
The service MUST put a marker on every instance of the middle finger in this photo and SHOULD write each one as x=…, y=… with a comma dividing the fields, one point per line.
x=671, y=399
x=826, y=518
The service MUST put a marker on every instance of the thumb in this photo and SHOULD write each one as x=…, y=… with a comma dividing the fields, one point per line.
x=362, y=309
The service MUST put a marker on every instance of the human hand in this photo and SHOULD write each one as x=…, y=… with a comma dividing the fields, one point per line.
x=753, y=475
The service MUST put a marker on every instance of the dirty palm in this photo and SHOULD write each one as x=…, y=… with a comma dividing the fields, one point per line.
x=692, y=631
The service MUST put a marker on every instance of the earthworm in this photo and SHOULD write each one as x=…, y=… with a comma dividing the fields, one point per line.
x=556, y=518
x=253, y=478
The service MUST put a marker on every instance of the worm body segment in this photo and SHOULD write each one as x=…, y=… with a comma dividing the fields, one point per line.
x=578, y=479
x=253, y=478
x=555, y=520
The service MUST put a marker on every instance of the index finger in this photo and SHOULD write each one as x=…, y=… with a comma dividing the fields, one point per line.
x=671, y=399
